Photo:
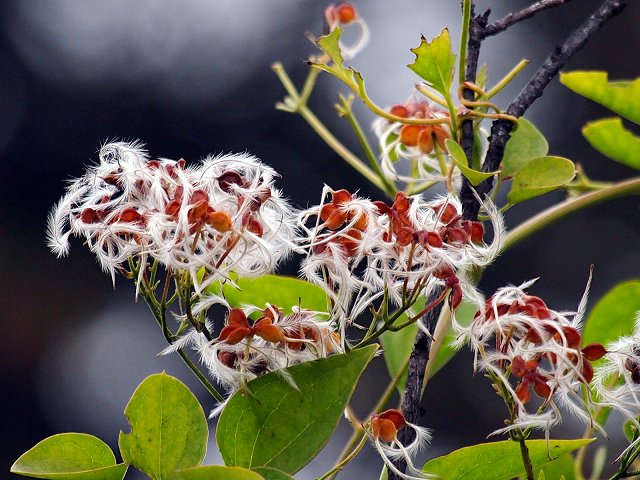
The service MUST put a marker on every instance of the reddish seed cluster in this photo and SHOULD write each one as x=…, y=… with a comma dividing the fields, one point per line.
x=336, y=214
x=529, y=371
x=238, y=328
x=425, y=137
x=385, y=425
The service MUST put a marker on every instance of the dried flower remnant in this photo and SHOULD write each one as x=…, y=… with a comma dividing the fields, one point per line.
x=345, y=14
x=616, y=380
x=359, y=251
x=518, y=340
x=383, y=429
x=222, y=215
x=422, y=146
x=246, y=349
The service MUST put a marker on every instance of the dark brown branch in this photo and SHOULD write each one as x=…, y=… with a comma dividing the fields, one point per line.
x=417, y=367
x=477, y=27
x=513, y=18
x=501, y=129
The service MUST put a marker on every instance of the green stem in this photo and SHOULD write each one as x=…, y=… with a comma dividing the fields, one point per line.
x=552, y=214
x=340, y=465
x=160, y=317
x=507, y=79
x=322, y=131
x=464, y=38
x=364, y=143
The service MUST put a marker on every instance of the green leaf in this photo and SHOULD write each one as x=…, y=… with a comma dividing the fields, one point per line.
x=168, y=428
x=218, y=472
x=398, y=345
x=330, y=44
x=611, y=139
x=435, y=63
x=614, y=314
x=539, y=176
x=464, y=314
x=622, y=98
x=283, y=427
x=284, y=292
x=70, y=456
x=457, y=155
x=525, y=144
x=498, y=460
x=479, y=148
x=397, y=349
x=560, y=467
x=482, y=76
x=272, y=473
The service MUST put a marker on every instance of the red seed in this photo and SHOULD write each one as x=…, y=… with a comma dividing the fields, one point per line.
x=345, y=13
x=587, y=371
x=517, y=366
x=395, y=416
x=265, y=329
x=340, y=197
x=522, y=391
x=220, y=220
x=541, y=388
x=399, y=111
x=409, y=135
x=425, y=140
x=383, y=429
x=237, y=318
x=594, y=351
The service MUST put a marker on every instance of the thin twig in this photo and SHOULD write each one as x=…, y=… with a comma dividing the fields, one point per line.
x=501, y=129
x=513, y=18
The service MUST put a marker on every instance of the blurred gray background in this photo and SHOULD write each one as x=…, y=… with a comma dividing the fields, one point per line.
x=193, y=77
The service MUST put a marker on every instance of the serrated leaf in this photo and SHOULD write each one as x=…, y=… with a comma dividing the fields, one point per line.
x=622, y=97
x=560, y=467
x=435, y=63
x=460, y=159
x=498, y=460
x=330, y=44
x=539, y=176
x=284, y=427
x=70, y=456
x=218, y=472
x=611, y=139
x=525, y=144
x=614, y=314
x=282, y=291
x=168, y=428
x=272, y=473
